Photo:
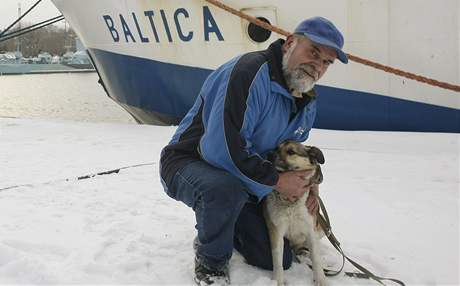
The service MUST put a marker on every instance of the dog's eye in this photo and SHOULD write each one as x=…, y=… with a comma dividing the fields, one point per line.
x=290, y=152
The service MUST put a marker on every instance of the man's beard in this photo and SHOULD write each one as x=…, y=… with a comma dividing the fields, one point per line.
x=297, y=80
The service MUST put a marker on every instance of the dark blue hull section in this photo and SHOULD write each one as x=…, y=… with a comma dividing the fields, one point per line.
x=161, y=93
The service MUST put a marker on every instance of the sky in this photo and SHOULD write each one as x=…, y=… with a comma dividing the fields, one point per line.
x=9, y=11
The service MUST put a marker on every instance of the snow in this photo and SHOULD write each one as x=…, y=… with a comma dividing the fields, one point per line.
x=393, y=199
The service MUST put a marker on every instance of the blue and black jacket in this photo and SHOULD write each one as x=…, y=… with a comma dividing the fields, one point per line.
x=243, y=111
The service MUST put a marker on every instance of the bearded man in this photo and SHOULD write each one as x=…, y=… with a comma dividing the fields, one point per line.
x=215, y=162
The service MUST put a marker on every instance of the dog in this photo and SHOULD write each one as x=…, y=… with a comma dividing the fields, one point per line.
x=292, y=219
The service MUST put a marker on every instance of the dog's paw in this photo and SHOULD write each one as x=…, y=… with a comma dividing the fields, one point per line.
x=320, y=282
x=319, y=279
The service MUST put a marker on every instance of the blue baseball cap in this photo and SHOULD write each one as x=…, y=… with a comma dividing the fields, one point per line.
x=323, y=32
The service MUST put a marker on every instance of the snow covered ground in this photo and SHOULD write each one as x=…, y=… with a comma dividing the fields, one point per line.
x=393, y=199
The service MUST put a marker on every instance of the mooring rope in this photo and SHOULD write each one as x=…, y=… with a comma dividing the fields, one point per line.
x=366, y=62
x=29, y=29
x=19, y=19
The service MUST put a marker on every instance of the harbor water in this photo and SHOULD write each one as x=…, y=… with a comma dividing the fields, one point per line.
x=69, y=96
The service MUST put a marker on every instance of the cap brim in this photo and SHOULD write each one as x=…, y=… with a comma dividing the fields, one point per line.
x=320, y=40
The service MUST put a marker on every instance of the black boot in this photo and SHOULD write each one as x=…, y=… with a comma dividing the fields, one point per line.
x=205, y=276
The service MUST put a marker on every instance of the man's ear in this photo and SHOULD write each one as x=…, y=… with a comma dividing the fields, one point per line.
x=288, y=42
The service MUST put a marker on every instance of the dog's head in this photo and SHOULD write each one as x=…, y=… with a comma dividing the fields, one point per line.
x=293, y=156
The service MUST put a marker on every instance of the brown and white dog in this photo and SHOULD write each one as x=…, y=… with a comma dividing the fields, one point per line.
x=292, y=219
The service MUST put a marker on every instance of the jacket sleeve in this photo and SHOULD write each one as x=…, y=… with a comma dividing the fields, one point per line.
x=232, y=120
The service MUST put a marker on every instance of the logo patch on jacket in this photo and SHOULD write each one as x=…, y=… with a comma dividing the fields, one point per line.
x=299, y=131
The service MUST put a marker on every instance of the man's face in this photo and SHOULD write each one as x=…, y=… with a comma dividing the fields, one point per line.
x=305, y=62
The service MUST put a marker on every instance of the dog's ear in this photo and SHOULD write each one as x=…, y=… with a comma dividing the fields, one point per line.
x=315, y=153
x=318, y=177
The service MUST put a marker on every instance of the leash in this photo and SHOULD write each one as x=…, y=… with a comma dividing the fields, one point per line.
x=323, y=220
x=79, y=178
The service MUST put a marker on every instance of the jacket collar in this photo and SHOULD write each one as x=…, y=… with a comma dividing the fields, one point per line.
x=275, y=59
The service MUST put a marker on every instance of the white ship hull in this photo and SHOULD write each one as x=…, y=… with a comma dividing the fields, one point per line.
x=154, y=55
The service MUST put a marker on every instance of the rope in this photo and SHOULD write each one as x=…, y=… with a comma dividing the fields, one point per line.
x=351, y=57
x=45, y=23
x=19, y=19
x=402, y=73
x=29, y=29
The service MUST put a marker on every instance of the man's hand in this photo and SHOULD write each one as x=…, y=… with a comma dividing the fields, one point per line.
x=291, y=184
x=312, y=200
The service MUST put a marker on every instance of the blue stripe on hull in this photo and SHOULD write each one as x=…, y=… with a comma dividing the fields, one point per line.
x=353, y=110
x=148, y=84
x=171, y=89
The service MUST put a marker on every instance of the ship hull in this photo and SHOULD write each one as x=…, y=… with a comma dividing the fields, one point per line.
x=153, y=57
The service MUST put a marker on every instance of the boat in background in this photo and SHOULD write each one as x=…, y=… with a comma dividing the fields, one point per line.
x=153, y=56
x=13, y=63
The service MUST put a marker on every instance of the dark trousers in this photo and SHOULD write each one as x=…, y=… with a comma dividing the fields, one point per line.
x=226, y=217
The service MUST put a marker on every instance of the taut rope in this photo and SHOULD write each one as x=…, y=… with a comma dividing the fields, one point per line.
x=375, y=65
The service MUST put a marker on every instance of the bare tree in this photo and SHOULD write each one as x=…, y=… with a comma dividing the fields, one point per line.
x=52, y=39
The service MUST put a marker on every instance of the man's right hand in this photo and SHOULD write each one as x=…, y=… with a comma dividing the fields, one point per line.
x=291, y=184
